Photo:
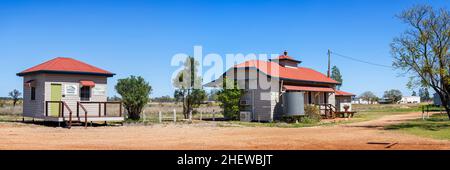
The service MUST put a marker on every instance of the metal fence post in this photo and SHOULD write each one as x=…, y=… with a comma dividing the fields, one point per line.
x=160, y=117
x=201, y=116
x=143, y=119
x=174, y=115
x=190, y=115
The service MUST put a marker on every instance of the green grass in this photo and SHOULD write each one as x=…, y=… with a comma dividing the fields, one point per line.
x=270, y=124
x=437, y=127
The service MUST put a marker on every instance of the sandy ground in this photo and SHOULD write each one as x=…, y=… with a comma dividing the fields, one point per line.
x=208, y=136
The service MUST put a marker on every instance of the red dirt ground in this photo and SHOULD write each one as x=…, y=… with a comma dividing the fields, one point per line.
x=206, y=136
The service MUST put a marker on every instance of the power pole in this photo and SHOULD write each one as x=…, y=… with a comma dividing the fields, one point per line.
x=329, y=63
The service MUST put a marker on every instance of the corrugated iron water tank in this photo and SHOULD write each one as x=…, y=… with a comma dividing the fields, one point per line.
x=293, y=103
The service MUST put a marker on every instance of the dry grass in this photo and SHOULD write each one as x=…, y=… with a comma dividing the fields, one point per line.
x=151, y=112
x=10, y=110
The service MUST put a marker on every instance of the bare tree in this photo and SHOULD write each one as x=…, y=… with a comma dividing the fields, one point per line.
x=423, y=50
x=15, y=95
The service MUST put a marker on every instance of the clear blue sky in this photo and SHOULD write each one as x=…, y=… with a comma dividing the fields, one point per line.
x=140, y=37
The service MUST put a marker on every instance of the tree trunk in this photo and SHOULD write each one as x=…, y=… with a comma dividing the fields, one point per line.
x=133, y=114
x=447, y=109
x=445, y=102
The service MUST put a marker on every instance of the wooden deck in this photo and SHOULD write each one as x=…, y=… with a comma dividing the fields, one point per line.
x=78, y=119
x=81, y=115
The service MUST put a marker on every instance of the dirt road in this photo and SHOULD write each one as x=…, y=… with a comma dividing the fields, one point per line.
x=208, y=136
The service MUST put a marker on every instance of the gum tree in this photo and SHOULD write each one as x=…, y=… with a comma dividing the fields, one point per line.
x=423, y=50
x=188, y=87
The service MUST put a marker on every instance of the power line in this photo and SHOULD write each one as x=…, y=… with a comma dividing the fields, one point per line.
x=361, y=61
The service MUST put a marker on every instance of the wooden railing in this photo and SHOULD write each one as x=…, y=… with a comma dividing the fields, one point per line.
x=100, y=107
x=79, y=104
x=62, y=106
x=329, y=110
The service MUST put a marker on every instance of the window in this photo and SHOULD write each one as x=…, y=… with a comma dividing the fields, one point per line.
x=85, y=93
x=33, y=93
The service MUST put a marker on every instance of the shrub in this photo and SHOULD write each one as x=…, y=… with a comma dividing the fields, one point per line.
x=312, y=112
x=229, y=99
x=135, y=92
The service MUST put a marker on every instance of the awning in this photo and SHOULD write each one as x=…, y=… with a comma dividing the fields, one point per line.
x=343, y=93
x=308, y=88
x=87, y=83
x=30, y=83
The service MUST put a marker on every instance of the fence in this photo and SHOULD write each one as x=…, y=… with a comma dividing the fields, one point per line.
x=426, y=109
x=176, y=115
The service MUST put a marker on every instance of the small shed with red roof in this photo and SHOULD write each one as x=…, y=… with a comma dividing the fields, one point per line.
x=280, y=87
x=66, y=90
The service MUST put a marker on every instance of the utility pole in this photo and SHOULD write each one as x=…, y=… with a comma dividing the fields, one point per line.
x=329, y=63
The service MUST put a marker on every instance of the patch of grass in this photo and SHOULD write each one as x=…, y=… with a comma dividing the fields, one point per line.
x=437, y=127
x=269, y=124
x=388, y=107
x=10, y=117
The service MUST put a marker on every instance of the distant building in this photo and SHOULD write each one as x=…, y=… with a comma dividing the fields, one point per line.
x=385, y=101
x=362, y=101
x=410, y=99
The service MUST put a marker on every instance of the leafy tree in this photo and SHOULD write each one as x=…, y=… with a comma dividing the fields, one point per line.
x=336, y=75
x=414, y=93
x=15, y=96
x=394, y=95
x=188, y=85
x=230, y=98
x=424, y=94
x=369, y=97
x=135, y=92
x=423, y=50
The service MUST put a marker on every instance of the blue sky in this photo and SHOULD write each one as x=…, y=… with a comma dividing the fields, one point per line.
x=140, y=37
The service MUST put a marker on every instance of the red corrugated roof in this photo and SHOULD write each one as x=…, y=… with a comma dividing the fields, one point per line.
x=276, y=70
x=66, y=65
x=343, y=93
x=284, y=57
x=307, y=88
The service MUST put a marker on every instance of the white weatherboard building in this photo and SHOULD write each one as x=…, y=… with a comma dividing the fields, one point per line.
x=410, y=99
x=66, y=90
x=279, y=87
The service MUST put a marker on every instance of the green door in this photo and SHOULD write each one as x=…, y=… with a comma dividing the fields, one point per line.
x=55, y=96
